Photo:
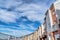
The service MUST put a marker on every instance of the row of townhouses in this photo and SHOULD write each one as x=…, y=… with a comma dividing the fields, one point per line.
x=50, y=29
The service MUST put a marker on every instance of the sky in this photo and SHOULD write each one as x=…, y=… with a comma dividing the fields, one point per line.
x=22, y=17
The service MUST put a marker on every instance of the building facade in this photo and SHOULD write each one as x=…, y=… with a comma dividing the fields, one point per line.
x=52, y=21
x=40, y=33
x=31, y=36
x=49, y=30
x=35, y=35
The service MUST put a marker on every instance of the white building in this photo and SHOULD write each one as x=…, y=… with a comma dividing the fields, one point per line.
x=53, y=21
x=5, y=36
x=57, y=11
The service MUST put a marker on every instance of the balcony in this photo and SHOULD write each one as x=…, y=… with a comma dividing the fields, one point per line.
x=54, y=28
x=44, y=33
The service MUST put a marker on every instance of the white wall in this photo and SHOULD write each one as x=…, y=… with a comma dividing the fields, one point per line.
x=48, y=22
x=43, y=29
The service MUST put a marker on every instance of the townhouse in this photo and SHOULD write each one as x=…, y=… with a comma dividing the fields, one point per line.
x=35, y=35
x=40, y=33
x=52, y=21
x=44, y=32
x=26, y=37
x=30, y=36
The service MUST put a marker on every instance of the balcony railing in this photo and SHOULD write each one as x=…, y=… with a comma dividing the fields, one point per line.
x=54, y=28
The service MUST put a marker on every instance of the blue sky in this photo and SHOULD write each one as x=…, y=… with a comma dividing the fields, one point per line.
x=22, y=17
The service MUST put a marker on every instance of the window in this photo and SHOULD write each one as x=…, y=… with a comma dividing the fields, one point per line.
x=58, y=38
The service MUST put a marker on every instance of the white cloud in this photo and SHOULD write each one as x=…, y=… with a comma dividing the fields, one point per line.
x=28, y=26
x=7, y=16
x=33, y=12
x=32, y=27
x=31, y=7
x=9, y=3
x=23, y=26
x=33, y=15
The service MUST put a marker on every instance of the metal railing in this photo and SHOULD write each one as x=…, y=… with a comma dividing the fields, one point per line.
x=54, y=27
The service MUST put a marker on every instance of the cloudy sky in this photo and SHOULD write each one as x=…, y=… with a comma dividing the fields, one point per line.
x=22, y=17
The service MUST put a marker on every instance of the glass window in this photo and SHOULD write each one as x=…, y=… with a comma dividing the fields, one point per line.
x=58, y=38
